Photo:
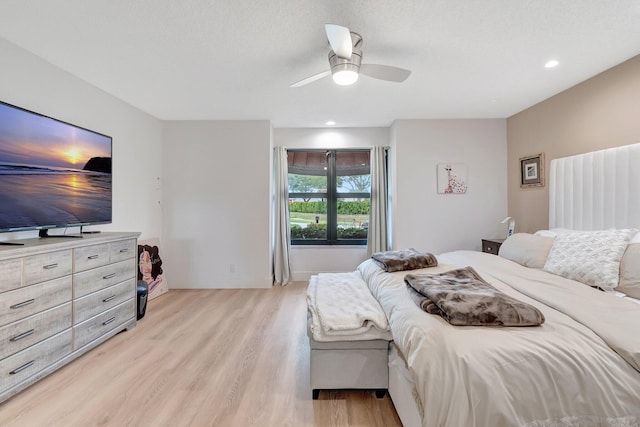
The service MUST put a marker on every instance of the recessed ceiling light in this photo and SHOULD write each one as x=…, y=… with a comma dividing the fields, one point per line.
x=551, y=64
x=330, y=123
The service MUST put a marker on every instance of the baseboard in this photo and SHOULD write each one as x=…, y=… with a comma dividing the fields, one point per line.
x=226, y=283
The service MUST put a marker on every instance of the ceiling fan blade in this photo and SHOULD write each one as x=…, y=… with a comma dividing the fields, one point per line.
x=339, y=39
x=311, y=79
x=385, y=72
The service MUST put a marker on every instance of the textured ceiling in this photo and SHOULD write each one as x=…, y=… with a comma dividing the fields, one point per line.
x=231, y=60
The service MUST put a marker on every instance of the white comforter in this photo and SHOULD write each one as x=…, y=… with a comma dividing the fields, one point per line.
x=580, y=368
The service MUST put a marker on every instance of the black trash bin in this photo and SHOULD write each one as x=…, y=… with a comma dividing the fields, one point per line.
x=143, y=291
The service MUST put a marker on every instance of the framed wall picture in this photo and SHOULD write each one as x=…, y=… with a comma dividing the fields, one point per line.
x=452, y=178
x=532, y=171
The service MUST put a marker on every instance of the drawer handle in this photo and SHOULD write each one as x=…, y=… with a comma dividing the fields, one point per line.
x=107, y=299
x=23, y=303
x=93, y=257
x=50, y=266
x=22, y=368
x=110, y=276
x=22, y=335
x=123, y=251
x=106, y=322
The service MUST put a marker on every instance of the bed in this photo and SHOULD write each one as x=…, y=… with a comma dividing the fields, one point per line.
x=581, y=367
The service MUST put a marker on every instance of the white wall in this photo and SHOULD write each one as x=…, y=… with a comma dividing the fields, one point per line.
x=435, y=222
x=308, y=260
x=421, y=218
x=216, y=198
x=32, y=83
x=204, y=187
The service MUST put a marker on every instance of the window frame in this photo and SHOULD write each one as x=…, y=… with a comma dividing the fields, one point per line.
x=332, y=196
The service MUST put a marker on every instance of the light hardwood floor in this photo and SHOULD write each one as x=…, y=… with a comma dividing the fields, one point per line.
x=199, y=358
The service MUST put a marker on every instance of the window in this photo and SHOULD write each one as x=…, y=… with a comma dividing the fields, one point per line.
x=329, y=196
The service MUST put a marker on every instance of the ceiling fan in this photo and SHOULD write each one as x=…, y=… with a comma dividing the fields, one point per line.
x=345, y=60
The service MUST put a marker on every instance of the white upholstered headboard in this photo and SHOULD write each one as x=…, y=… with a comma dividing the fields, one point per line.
x=597, y=190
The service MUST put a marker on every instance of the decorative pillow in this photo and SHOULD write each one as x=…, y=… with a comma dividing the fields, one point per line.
x=590, y=257
x=526, y=249
x=630, y=271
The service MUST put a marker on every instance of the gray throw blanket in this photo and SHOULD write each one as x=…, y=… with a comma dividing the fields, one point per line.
x=463, y=298
x=405, y=259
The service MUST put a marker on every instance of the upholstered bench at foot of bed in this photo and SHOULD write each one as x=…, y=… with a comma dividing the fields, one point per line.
x=350, y=365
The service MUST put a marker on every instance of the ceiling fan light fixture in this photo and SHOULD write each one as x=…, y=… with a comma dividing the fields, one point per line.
x=345, y=61
x=345, y=77
x=345, y=71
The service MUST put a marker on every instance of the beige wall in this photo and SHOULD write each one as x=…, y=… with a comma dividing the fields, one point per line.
x=599, y=113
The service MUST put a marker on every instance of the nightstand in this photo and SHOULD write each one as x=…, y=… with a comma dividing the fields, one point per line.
x=491, y=246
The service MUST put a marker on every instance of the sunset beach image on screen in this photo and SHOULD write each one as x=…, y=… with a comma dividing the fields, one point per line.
x=52, y=173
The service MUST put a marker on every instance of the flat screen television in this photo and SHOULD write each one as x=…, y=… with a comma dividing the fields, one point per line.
x=52, y=174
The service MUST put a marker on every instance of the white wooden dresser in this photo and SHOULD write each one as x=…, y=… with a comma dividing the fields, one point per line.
x=59, y=298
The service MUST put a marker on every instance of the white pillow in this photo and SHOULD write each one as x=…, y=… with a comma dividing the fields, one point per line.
x=545, y=233
x=526, y=249
x=553, y=232
x=630, y=271
x=590, y=257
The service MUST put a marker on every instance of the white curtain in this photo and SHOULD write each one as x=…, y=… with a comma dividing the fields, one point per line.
x=282, y=247
x=377, y=238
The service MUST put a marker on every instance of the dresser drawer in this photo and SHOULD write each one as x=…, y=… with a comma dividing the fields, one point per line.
x=88, y=257
x=21, y=334
x=93, y=280
x=32, y=360
x=27, y=301
x=95, y=327
x=97, y=302
x=10, y=274
x=43, y=267
x=122, y=250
